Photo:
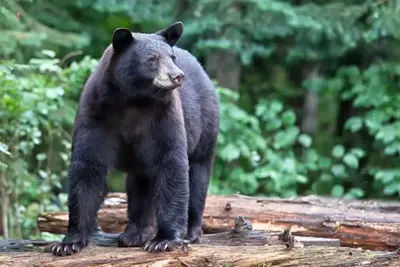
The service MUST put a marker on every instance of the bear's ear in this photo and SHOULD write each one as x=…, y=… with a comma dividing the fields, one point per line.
x=121, y=38
x=173, y=33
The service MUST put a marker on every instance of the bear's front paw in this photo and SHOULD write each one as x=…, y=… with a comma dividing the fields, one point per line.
x=162, y=245
x=134, y=238
x=70, y=246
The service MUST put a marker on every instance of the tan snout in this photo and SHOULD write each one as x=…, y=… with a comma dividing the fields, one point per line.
x=177, y=78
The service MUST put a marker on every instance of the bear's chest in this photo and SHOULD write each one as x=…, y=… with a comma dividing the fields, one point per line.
x=135, y=123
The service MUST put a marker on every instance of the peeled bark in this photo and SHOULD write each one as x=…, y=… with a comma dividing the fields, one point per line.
x=205, y=255
x=365, y=224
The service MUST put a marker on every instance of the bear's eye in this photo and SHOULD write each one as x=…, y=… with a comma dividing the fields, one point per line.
x=153, y=59
x=173, y=57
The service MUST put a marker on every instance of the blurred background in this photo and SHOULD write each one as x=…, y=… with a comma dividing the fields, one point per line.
x=309, y=92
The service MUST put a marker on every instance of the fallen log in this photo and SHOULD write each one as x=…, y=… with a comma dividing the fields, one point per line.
x=367, y=224
x=205, y=255
x=242, y=234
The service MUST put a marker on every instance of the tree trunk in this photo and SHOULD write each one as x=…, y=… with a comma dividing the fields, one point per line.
x=344, y=113
x=4, y=206
x=205, y=255
x=309, y=123
x=224, y=66
x=366, y=224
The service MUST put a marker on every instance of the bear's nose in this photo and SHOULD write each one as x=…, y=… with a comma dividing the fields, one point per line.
x=177, y=78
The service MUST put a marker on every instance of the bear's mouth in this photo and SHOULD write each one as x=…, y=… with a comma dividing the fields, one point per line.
x=168, y=81
x=166, y=86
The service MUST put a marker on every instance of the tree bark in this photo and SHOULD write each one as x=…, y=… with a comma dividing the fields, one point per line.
x=309, y=122
x=225, y=67
x=365, y=224
x=4, y=206
x=205, y=255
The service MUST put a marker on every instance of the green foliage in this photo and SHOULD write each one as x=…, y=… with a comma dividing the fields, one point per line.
x=374, y=92
x=256, y=151
x=35, y=133
x=342, y=54
x=21, y=34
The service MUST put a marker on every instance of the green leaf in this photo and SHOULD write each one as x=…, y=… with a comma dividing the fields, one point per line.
x=358, y=152
x=45, y=187
x=337, y=190
x=392, y=149
x=286, y=138
x=326, y=177
x=43, y=174
x=289, y=165
x=338, y=170
x=324, y=163
x=229, y=152
x=353, y=124
x=276, y=106
x=335, y=84
x=305, y=140
x=289, y=117
x=351, y=161
x=321, y=187
x=266, y=172
x=49, y=53
x=3, y=166
x=338, y=151
x=301, y=179
x=355, y=193
x=41, y=156
x=4, y=148
x=51, y=93
x=391, y=189
x=386, y=176
x=387, y=134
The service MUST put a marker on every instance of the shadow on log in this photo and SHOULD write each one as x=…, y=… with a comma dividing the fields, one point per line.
x=367, y=224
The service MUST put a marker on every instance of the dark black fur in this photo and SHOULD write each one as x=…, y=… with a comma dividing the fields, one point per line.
x=164, y=138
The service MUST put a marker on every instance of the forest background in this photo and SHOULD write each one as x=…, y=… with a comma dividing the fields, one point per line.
x=309, y=93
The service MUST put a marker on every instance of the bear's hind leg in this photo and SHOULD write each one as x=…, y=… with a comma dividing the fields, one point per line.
x=140, y=227
x=199, y=176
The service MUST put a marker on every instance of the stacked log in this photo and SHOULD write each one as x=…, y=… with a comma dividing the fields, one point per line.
x=366, y=224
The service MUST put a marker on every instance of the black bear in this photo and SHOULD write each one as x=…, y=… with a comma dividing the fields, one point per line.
x=150, y=110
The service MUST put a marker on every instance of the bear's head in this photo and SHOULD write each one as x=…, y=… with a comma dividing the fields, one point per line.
x=144, y=64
